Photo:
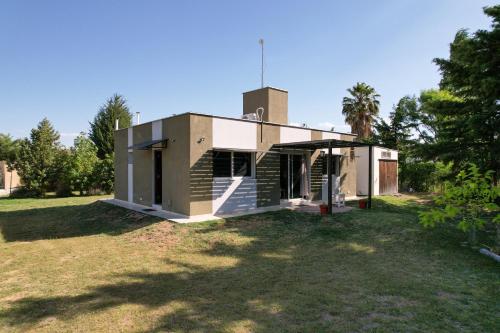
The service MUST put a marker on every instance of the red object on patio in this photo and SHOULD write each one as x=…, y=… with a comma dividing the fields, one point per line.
x=323, y=209
x=362, y=204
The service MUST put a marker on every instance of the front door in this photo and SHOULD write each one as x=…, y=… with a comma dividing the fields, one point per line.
x=291, y=176
x=388, y=177
x=157, y=177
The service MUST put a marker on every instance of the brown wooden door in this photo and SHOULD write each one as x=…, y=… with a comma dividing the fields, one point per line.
x=388, y=177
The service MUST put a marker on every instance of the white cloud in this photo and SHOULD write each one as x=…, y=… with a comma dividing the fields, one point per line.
x=295, y=124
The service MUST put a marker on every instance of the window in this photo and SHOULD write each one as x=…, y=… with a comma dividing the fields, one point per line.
x=386, y=154
x=221, y=164
x=336, y=165
x=242, y=164
x=232, y=164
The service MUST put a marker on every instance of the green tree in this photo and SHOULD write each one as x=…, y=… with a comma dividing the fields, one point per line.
x=9, y=149
x=361, y=109
x=103, y=127
x=63, y=170
x=84, y=161
x=37, y=160
x=472, y=74
x=104, y=174
x=470, y=202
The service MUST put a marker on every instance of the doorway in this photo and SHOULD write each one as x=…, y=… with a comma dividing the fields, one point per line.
x=388, y=177
x=291, y=176
x=157, y=177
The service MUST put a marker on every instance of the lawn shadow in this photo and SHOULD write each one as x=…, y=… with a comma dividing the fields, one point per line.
x=271, y=272
x=271, y=281
x=70, y=221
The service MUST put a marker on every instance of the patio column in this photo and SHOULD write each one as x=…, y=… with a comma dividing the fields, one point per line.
x=370, y=175
x=329, y=172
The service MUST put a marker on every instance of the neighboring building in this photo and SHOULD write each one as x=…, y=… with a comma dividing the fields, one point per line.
x=9, y=180
x=385, y=171
x=196, y=164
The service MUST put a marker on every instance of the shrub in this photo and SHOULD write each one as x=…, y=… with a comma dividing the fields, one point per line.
x=470, y=202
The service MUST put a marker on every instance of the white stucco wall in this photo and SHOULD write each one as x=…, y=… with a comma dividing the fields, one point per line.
x=233, y=195
x=157, y=130
x=336, y=136
x=290, y=134
x=362, y=168
x=234, y=134
x=324, y=186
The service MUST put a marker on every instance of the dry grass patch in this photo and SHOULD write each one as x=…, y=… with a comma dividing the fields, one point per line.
x=79, y=265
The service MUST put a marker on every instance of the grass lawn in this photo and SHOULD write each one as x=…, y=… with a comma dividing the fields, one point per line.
x=80, y=265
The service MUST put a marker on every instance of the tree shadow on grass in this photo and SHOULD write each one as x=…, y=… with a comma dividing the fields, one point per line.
x=284, y=271
x=70, y=221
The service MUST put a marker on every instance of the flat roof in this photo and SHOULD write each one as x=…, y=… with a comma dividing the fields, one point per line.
x=321, y=144
x=239, y=119
x=268, y=87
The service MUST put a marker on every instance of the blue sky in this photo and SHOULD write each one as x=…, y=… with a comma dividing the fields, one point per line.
x=63, y=59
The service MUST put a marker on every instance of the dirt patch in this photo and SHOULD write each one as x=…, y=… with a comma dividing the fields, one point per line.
x=14, y=297
x=160, y=235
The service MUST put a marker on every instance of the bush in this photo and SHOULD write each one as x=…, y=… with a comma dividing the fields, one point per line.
x=417, y=176
x=470, y=202
x=104, y=174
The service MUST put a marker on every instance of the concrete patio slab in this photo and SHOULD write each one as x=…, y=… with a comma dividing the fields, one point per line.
x=295, y=205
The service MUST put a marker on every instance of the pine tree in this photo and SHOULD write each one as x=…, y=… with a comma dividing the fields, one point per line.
x=37, y=161
x=103, y=127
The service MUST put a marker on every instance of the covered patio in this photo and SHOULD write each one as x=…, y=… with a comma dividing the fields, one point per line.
x=330, y=144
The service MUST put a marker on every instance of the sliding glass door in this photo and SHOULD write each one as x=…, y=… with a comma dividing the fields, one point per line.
x=291, y=174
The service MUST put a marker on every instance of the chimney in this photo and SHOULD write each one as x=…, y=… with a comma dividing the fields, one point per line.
x=273, y=100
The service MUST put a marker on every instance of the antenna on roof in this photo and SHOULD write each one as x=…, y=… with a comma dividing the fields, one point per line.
x=261, y=42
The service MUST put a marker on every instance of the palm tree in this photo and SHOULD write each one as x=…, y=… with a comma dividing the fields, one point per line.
x=361, y=109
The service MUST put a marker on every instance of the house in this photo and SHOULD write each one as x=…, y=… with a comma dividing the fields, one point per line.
x=385, y=171
x=197, y=164
x=9, y=179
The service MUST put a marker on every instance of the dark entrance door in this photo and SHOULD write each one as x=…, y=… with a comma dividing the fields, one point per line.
x=290, y=176
x=295, y=175
x=388, y=171
x=157, y=176
x=284, y=176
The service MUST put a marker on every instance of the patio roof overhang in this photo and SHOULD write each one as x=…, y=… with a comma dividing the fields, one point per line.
x=330, y=144
x=150, y=144
x=321, y=144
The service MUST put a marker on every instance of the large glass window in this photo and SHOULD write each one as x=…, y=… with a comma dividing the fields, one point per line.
x=242, y=164
x=221, y=164
x=232, y=164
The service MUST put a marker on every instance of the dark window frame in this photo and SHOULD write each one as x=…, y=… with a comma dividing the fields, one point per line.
x=230, y=171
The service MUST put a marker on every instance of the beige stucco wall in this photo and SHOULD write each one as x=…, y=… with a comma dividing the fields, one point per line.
x=175, y=164
x=267, y=168
x=348, y=168
x=143, y=166
x=274, y=101
x=200, y=165
x=121, y=164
